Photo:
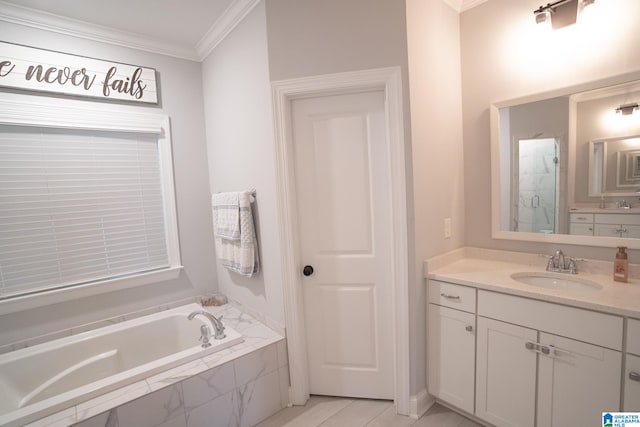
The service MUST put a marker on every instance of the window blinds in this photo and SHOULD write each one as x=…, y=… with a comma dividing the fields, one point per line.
x=77, y=207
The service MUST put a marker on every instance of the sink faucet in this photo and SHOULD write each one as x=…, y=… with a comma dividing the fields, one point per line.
x=216, y=323
x=558, y=263
x=559, y=259
x=624, y=204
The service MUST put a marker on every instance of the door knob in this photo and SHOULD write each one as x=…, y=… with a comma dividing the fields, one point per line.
x=307, y=270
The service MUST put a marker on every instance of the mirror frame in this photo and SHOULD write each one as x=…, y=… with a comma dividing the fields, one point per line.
x=496, y=231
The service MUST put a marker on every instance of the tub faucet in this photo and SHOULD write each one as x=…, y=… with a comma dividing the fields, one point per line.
x=218, y=327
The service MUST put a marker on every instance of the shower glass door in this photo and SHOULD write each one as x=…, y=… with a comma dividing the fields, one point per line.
x=537, y=185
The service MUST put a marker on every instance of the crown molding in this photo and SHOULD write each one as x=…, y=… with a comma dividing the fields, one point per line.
x=470, y=4
x=223, y=26
x=462, y=5
x=72, y=27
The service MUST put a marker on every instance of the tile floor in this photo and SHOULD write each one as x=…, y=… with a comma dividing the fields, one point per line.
x=340, y=412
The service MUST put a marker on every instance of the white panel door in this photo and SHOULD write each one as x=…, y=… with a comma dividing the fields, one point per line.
x=451, y=362
x=577, y=382
x=505, y=374
x=343, y=201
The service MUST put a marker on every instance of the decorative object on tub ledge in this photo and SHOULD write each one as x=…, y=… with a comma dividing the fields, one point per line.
x=234, y=230
x=214, y=300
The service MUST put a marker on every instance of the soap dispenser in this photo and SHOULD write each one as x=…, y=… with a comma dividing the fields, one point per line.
x=621, y=265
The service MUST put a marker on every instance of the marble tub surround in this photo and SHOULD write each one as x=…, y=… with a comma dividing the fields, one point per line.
x=238, y=386
x=491, y=270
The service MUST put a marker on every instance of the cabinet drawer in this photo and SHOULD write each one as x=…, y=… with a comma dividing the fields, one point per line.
x=581, y=217
x=451, y=295
x=633, y=336
x=583, y=325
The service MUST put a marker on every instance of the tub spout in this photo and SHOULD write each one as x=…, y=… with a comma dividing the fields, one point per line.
x=218, y=327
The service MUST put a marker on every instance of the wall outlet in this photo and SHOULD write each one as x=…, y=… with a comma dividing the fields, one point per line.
x=447, y=228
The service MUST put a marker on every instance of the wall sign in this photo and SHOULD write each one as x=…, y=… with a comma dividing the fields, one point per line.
x=23, y=67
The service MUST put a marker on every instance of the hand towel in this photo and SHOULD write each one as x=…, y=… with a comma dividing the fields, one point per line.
x=240, y=254
x=226, y=219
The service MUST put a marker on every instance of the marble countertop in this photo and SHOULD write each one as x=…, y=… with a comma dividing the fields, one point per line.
x=608, y=210
x=492, y=270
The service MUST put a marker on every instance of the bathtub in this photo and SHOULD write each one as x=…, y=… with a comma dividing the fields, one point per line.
x=46, y=378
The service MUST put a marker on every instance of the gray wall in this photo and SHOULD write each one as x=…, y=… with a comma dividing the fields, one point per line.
x=181, y=96
x=505, y=55
x=436, y=138
x=308, y=38
x=240, y=147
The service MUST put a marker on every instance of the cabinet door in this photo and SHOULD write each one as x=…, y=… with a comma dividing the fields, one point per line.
x=607, y=230
x=451, y=347
x=577, y=382
x=633, y=231
x=506, y=374
x=632, y=384
x=581, y=229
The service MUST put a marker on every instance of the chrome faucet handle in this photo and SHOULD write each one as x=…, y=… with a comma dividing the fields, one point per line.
x=205, y=335
x=550, y=264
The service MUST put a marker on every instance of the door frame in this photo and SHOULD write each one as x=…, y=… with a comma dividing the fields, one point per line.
x=389, y=81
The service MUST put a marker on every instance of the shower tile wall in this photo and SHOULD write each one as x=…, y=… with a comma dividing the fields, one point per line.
x=537, y=184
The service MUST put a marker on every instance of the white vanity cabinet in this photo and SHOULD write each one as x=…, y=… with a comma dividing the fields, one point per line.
x=632, y=369
x=617, y=225
x=581, y=224
x=506, y=375
x=451, y=343
x=523, y=342
x=605, y=224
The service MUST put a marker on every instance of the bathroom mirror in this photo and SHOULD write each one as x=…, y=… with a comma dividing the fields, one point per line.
x=566, y=165
x=614, y=167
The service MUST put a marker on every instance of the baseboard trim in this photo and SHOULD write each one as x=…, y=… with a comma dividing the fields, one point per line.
x=420, y=403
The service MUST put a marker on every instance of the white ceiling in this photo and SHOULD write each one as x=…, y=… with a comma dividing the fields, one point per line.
x=188, y=29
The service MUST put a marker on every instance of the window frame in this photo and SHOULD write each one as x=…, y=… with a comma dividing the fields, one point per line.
x=39, y=111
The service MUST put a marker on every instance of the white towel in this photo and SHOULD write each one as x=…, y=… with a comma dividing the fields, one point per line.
x=226, y=219
x=238, y=254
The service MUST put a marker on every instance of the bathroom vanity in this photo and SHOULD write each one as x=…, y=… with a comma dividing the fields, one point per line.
x=516, y=352
x=605, y=222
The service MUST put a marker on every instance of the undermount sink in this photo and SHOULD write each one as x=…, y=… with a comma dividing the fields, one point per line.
x=556, y=281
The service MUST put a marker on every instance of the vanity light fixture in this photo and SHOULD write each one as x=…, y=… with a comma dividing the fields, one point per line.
x=561, y=13
x=627, y=109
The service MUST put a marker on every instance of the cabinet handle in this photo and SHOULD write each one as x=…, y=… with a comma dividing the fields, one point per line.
x=582, y=218
x=453, y=297
x=634, y=376
x=545, y=350
x=529, y=345
x=469, y=328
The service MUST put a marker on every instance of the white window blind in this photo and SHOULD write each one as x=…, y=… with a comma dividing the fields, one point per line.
x=78, y=207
